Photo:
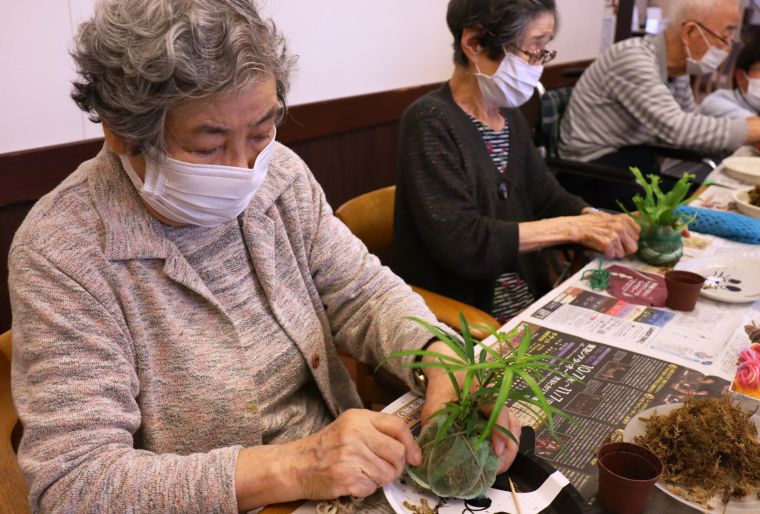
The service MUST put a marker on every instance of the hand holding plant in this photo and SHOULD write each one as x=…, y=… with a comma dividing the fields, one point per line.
x=440, y=392
x=457, y=457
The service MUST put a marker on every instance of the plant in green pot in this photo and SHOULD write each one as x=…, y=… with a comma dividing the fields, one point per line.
x=458, y=460
x=660, y=242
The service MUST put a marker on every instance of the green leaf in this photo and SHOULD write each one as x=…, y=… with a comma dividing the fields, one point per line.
x=536, y=390
x=506, y=432
x=657, y=208
x=498, y=405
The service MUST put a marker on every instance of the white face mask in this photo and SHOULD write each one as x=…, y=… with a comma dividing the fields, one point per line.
x=752, y=95
x=709, y=62
x=199, y=194
x=513, y=83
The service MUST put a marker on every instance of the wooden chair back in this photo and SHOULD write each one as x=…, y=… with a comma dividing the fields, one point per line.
x=13, y=489
x=370, y=218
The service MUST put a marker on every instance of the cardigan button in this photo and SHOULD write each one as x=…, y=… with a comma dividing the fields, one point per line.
x=503, y=190
x=315, y=361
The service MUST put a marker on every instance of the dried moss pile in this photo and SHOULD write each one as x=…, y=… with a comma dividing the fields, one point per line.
x=708, y=447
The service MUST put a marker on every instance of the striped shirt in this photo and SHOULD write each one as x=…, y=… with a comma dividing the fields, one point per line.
x=625, y=98
x=511, y=293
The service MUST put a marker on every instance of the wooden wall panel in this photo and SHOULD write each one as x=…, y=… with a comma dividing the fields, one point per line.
x=349, y=164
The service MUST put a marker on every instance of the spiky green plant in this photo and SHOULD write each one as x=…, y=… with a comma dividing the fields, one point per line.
x=457, y=457
x=657, y=209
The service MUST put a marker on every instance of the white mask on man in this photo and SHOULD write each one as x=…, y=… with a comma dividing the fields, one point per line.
x=513, y=83
x=709, y=62
x=752, y=95
x=199, y=194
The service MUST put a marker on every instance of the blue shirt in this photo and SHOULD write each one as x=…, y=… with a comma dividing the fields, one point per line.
x=726, y=103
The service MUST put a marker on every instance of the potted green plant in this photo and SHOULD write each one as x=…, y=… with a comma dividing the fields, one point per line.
x=458, y=460
x=660, y=242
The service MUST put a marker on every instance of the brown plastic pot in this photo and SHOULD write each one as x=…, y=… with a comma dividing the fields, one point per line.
x=627, y=474
x=683, y=289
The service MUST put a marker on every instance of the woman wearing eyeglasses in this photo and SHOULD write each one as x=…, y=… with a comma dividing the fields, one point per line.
x=474, y=201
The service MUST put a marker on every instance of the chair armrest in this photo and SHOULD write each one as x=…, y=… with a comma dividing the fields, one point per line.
x=588, y=169
x=676, y=153
x=447, y=311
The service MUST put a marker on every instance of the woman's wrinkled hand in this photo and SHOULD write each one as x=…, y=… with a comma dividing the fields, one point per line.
x=614, y=235
x=440, y=390
x=354, y=455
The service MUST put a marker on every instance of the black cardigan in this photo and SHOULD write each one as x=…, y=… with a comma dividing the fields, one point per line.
x=453, y=232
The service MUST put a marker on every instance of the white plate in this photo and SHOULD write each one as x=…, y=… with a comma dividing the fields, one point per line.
x=746, y=169
x=741, y=196
x=636, y=427
x=731, y=279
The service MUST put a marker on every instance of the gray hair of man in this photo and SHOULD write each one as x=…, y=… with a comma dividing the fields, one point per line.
x=137, y=59
x=678, y=12
x=504, y=22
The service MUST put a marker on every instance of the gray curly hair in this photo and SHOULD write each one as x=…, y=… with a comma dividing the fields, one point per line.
x=138, y=59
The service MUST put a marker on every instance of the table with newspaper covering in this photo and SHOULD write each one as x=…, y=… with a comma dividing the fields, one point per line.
x=626, y=358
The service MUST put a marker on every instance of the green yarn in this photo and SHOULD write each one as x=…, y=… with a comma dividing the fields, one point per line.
x=598, y=279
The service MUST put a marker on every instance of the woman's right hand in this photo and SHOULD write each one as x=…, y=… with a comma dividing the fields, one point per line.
x=359, y=452
x=614, y=235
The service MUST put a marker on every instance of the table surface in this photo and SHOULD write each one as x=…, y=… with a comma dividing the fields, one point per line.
x=659, y=503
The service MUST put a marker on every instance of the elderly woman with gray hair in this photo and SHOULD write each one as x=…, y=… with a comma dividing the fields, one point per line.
x=475, y=203
x=179, y=300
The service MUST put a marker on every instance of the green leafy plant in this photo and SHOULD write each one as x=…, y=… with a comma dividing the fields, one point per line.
x=657, y=209
x=458, y=460
x=660, y=242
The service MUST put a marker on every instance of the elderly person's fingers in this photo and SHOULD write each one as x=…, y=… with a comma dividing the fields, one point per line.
x=357, y=453
x=629, y=239
x=503, y=445
x=598, y=235
x=402, y=441
x=629, y=222
x=614, y=236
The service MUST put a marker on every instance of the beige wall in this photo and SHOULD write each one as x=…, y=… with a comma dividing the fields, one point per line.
x=346, y=48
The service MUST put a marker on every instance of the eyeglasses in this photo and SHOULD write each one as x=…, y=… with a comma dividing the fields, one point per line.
x=542, y=56
x=723, y=39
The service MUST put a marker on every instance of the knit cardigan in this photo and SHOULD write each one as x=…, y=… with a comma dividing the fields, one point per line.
x=454, y=232
x=132, y=383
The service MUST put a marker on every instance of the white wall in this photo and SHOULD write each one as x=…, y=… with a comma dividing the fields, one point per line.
x=346, y=48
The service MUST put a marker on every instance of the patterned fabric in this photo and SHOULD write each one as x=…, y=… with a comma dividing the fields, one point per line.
x=511, y=294
x=553, y=105
x=285, y=397
x=497, y=143
x=134, y=382
x=729, y=225
x=625, y=98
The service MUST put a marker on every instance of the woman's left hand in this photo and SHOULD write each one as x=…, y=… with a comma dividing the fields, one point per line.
x=440, y=390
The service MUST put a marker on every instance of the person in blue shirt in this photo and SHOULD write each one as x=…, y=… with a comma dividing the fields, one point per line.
x=744, y=100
